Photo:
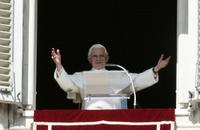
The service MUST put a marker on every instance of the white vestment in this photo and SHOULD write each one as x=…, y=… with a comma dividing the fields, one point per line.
x=73, y=85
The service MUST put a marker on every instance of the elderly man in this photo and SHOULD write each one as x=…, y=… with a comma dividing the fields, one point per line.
x=73, y=84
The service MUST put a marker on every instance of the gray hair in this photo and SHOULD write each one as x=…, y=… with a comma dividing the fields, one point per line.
x=96, y=46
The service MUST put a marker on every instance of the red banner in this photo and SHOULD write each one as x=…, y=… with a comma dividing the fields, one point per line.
x=137, y=119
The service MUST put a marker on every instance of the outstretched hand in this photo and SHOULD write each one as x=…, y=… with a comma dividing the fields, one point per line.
x=56, y=58
x=162, y=63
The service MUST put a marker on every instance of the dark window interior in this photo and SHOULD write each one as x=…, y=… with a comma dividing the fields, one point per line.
x=135, y=34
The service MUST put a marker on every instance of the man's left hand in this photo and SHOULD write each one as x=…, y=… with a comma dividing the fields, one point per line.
x=162, y=63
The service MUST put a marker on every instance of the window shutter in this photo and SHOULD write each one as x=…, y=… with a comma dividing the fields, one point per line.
x=8, y=93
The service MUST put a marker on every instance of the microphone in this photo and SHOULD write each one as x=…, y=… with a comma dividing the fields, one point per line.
x=131, y=80
x=105, y=64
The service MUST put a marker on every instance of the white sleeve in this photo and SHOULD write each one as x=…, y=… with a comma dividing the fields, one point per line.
x=141, y=81
x=64, y=81
x=145, y=79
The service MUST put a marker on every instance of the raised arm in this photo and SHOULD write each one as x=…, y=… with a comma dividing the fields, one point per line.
x=161, y=63
x=56, y=58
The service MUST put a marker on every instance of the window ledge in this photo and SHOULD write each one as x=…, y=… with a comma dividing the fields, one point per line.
x=181, y=112
x=29, y=113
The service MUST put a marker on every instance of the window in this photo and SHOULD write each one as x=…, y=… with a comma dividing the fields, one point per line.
x=10, y=51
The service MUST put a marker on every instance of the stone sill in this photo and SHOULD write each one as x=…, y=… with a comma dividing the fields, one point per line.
x=181, y=112
x=29, y=113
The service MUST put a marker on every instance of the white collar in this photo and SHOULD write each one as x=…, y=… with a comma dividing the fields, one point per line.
x=93, y=69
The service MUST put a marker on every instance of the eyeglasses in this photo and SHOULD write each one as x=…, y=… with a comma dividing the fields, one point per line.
x=98, y=56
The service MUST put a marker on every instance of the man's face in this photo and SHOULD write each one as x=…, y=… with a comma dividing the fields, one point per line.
x=98, y=57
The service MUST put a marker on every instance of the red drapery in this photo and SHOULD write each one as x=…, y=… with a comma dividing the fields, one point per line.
x=115, y=117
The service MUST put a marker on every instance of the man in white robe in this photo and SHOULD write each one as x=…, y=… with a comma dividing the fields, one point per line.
x=73, y=84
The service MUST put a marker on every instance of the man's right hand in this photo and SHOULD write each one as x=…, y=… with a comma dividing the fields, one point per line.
x=56, y=58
